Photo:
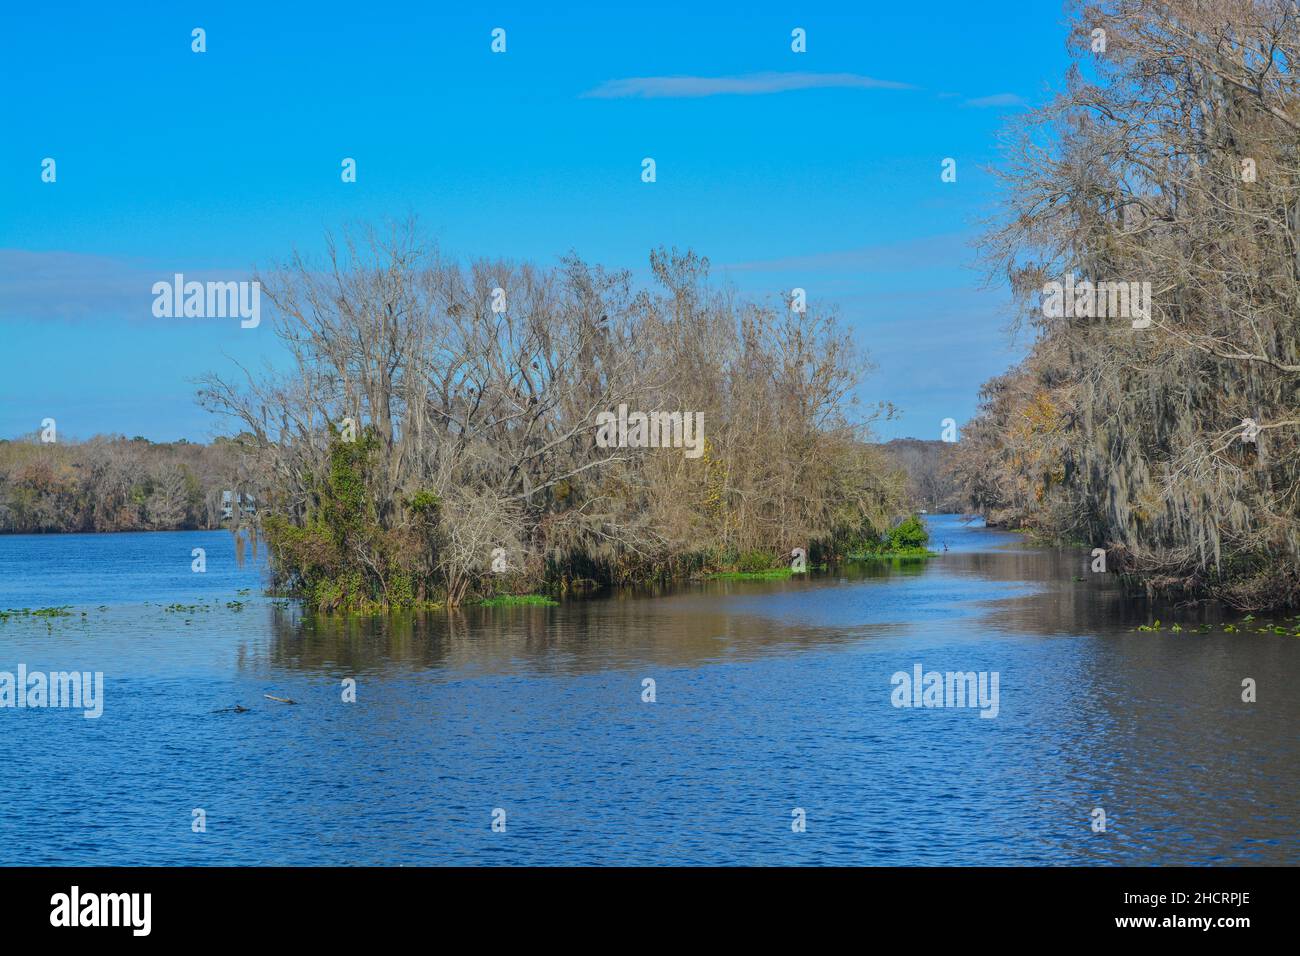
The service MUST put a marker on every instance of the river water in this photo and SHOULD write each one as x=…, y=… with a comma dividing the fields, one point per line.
x=774, y=703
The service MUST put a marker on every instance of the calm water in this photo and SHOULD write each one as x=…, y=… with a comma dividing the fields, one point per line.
x=770, y=696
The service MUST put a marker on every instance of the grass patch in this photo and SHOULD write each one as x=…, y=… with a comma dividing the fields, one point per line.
x=770, y=574
x=519, y=600
x=368, y=608
x=767, y=574
x=898, y=554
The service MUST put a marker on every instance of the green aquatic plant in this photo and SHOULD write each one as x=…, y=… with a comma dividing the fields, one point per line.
x=769, y=574
x=185, y=608
x=912, y=554
x=519, y=600
x=42, y=612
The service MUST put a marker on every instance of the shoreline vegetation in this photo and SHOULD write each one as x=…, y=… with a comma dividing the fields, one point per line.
x=435, y=439
x=44, y=489
x=1277, y=625
x=1168, y=439
x=433, y=443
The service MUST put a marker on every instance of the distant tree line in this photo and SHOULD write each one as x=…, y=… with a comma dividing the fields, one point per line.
x=114, y=484
x=931, y=483
x=435, y=438
x=1172, y=440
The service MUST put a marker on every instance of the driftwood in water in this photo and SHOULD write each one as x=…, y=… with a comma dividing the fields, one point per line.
x=283, y=700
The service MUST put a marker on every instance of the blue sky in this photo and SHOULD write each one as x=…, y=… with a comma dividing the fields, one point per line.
x=819, y=170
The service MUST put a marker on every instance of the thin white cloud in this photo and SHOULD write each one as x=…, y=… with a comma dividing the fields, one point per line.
x=75, y=286
x=750, y=84
x=997, y=99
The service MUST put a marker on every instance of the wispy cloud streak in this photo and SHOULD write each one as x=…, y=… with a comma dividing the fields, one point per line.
x=750, y=84
x=75, y=286
x=997, y=99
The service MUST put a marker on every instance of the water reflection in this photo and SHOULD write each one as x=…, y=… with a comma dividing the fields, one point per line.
x=770, y=695
x=987, y=579
x=712, y=623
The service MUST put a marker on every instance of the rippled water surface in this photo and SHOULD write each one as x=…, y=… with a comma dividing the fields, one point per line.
x=770, y=696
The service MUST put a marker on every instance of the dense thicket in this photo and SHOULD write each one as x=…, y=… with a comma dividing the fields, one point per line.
x=1171, y=157
x=114, y=484
x=474, y=429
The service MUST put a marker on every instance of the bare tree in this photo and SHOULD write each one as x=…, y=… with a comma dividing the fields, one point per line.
x=1170, y=158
